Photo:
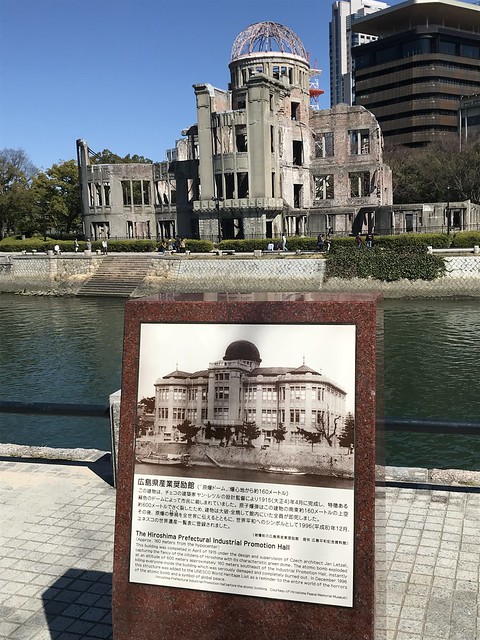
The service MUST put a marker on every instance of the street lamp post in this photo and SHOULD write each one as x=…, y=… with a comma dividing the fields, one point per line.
x=448, y=213
x=217, y=206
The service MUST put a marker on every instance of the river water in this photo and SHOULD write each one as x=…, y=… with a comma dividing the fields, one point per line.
x=69, y=350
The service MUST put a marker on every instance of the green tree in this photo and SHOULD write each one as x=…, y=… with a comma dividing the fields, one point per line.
x=16, y=173
x=188, y=431
x=108, y=157
x=347, y=437
x=57, y=197
x=441, y=171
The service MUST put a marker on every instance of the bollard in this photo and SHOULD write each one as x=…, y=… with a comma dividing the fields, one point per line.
x=476, y=249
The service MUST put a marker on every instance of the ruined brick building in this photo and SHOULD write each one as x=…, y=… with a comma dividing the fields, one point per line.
x=260, y=161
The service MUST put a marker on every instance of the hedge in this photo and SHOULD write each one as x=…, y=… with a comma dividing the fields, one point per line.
x=412, y=263
x=114, y=246
x=38, y=244
x=466, y=239
x=294, y=243
x=199, y=246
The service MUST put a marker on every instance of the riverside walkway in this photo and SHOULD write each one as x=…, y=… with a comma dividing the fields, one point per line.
x=56, y=540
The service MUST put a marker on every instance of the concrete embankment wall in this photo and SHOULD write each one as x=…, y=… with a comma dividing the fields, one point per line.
x=65, y=274
x=321, y=461
x=46, y=273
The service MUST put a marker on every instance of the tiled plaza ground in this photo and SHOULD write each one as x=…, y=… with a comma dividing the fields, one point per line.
x=56, y=543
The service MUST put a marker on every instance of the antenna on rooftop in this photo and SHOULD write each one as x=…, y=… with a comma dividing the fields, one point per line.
x=315, y=91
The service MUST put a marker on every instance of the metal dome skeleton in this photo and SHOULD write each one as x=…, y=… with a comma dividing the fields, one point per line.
x=266, y=37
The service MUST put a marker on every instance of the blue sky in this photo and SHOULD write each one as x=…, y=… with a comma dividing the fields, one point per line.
x=119, y=73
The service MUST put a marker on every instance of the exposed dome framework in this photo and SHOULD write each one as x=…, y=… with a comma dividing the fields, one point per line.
x=266, y=37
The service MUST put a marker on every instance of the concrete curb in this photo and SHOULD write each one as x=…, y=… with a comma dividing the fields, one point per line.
x=410, y=475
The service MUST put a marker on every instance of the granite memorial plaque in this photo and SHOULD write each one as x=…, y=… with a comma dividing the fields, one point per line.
x=246, y=476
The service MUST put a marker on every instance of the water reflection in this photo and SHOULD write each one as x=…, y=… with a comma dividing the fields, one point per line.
x=70, y=350
x=431, y=349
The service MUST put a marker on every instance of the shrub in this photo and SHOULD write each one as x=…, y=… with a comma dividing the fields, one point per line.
x=198, y=246
x=244, y=246
x=125, y=246
x=405, y=240
x=385, y=264
x=38, y=244
x=297, y=243
x=466, y=239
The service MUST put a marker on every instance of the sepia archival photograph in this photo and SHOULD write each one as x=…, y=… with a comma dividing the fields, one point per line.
x=261, y=403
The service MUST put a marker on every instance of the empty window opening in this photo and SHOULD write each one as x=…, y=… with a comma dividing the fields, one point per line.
x=127, y=194
x=242, y=185
x=276, y=72
x=241, y=137
x=106, y=191
x=360, y=142
x=324, y=187
x=273, y=184
x=219, y=185
x=229, y=185
x=324, y=144
x=297, y=196
x=359, y=184
x=294, y=110
x=146, y=192
x=137, y=192
x=91, y=197
x=272, y=139
x=98, y=190
x=232, y=229
x=409, y=227
x=297, y=152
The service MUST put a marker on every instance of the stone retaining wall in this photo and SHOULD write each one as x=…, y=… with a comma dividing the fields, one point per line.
x=65, y=274
x=62, y=274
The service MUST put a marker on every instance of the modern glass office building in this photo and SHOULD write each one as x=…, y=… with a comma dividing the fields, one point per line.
x=412, y=78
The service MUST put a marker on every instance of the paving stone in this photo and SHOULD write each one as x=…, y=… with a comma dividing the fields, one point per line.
x=429, y=572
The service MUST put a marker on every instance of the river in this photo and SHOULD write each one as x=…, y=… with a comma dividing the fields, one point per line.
x=69, y=350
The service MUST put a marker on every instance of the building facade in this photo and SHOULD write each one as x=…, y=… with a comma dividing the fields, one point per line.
x=341, y=41
x=258, y=163
x=425, y=59
x=237, y=390
x=469, y=119
x=430, y=217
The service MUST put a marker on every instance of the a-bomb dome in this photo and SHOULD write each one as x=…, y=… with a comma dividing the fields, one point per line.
x=266, y=37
